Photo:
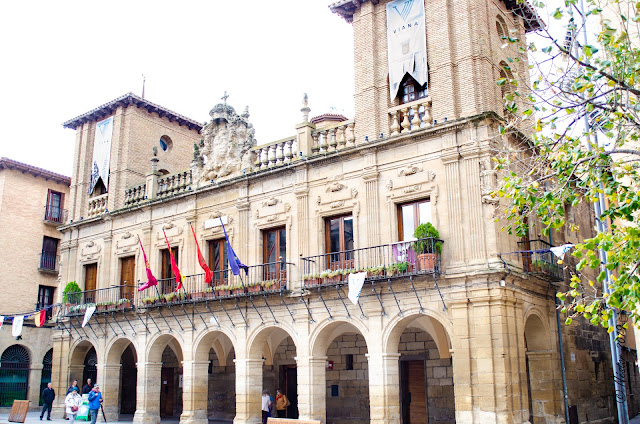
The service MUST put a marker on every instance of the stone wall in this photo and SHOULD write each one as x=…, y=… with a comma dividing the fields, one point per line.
x=221, y=400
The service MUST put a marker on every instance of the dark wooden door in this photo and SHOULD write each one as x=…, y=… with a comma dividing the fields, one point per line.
x=168, y=279
x=413, y=392
x=90, y=279
x=127, y=277
x=167, y=392
x=289, y=386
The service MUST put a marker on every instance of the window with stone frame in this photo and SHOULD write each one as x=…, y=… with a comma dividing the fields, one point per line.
x=166, y=273
x=218, y=261
x=410, y=90
x=339, y=242
x=274, y=254
x=410, y=215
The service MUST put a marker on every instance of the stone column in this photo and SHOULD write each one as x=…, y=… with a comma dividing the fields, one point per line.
x=312, y=387
x=60, y=370
x=195, y=392
x=384, y=388
x=248, y=391
x=35, y=375
x=148, y=393
x=109, y=377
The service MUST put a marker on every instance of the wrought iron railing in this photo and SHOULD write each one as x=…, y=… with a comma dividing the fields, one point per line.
x=105, y=300
x=49, y=262
x=55, y=214
x=260, y=279
x=538, y=260
x=399, y=259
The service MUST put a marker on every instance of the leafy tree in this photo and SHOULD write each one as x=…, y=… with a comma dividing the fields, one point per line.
x=559, y=161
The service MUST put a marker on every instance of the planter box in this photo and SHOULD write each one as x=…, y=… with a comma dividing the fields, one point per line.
x=238, y=291
x=222, y=293
x=426, y=262
x=254, y=289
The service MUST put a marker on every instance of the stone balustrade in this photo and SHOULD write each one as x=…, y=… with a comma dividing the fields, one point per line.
x=410, y=116
x=97, y=205
x=134, y=195
x=334, y=138
x=277, y=153
x=169, y=185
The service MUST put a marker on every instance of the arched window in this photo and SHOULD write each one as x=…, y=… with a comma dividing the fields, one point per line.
x=90, y=366
x=14, y=375
x=410, y=90
x=501, y=27
x=165, y=143
x=46, y=372
x=508, y=85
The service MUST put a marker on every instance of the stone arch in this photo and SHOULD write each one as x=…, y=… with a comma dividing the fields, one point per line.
x=15, y=363
x=157, y=345
x=542, y=398
x=221, y=341
x=79, y=352
x=327, y=331
x=536, y=332
x=116, y=347
x=120, y=380
x=266, y=339
x=429, y=322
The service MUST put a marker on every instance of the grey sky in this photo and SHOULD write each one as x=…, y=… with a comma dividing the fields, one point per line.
x=61, y=59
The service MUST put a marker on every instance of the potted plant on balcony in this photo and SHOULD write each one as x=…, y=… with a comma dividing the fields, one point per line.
x=311, y=279
x=324, y=276
x=71, y=294
x=208, y=293
x=123, y=303
x=427, y=246
x=237, y=288
x=254, y=287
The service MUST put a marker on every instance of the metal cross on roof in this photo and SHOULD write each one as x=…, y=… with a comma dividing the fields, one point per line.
x=225, y=97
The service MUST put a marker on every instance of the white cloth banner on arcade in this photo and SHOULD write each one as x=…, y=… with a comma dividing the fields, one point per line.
x=559, y=251
x=16, y=328
x=101, y=153
x=406, y=43
x=88, y=313
x=356, y=281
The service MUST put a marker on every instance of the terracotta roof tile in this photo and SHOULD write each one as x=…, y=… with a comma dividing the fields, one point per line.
x=6, y=163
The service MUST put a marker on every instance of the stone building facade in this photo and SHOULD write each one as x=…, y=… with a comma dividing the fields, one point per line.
x=451, y=327
x=32, y=205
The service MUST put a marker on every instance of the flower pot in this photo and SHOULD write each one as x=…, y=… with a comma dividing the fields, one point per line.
x=312, y=282
x=254, y=289
x=223, y=293
x=426, y=261
x=237, y=291
x=197, y=295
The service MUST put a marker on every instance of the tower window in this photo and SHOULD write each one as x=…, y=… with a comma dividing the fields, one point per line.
x=165, y=143
x=502, y=28
x=410, y=90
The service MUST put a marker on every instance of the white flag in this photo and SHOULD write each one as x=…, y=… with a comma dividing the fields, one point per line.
x=16, y=328
x=1, y=320
x=559, y=251
x=101, y=153
x=356, y=281
x=406, y=43
x=88, y=313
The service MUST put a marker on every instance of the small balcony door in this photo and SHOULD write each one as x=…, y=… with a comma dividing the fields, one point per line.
x=90, y=279
x=339, y=242
x=218, y=261
x=274, y=254
x=53, y=211
x=45, y=299
x=168, y=279
x=127, y=277
x=410, y=215
x=49, y=253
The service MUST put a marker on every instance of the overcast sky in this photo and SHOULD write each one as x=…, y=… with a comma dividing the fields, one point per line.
x=63, y=58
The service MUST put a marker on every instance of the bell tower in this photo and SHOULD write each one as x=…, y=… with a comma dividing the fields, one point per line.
x=463, y=48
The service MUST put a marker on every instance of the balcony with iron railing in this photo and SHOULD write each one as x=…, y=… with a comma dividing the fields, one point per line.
x=109, y=299
x=394, y=260
x=534, y=258
x=49, y=263
x=54, y=215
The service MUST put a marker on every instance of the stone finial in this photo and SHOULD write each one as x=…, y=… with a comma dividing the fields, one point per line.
x=155, y=151
x=245, y=113
x=305, y=108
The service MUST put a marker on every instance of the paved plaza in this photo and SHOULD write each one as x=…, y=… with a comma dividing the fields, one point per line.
x=33, y=417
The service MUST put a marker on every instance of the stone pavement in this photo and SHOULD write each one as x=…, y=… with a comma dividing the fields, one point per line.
x=33, y=417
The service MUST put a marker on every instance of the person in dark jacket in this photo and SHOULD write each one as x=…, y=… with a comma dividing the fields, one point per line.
x=87, y=387
x=48, y=395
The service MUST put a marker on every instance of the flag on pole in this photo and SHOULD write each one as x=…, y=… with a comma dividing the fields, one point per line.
x=151, y=280
x=16, y=328
x=356, y=281
x=234, y=262
x=88, y=313
x=174, y=266
x=208, y=274
x=39, y=317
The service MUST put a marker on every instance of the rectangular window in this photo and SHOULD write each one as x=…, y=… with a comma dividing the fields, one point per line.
x=90, y=280
x=127, y=277
x=218, y=261
x=53, y=211
x=49, y=253
x=45, y=298
x=274, y=254
x=168, y=279
x=410, y=215
x=339, y=242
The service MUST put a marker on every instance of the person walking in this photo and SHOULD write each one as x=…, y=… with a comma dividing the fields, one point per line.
x=95, y=399
x=266, y=404
x=281, y=404
x=87, y=387
x=48, y=395
x=73, y=402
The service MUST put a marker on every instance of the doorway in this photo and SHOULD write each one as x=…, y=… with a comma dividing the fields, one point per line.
x=413, y=392
x=289, y=386
x=167, y=394
x=127, y=277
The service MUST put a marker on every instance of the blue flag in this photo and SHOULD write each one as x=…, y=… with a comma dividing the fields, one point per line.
x=234, y=262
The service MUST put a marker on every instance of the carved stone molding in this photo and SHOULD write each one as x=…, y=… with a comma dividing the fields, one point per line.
x=271, y=202
x=409, y=170
x=90, y=250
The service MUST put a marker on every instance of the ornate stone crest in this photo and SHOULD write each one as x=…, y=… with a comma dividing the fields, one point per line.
x=226, y=146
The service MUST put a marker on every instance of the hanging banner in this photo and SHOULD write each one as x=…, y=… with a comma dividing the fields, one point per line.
x=88, y=313
x=16, y=328
x=101, y=153
x=406, y=43
x=356, y=281
x=1, y=321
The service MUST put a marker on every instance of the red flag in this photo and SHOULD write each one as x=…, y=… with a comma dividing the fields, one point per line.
x=39, y=317
x=174, y=266
x=151, y=280
x=208, y=274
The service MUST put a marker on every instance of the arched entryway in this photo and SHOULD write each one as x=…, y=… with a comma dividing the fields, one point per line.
x=83, y=363
x=120, y=389
x=425, y=387
x=128, y=381
x=90, y=370
x=14, y=374
x=346, y=376
x=271, y=364
x=541, y=400
x=45, y=376
x=213, y=368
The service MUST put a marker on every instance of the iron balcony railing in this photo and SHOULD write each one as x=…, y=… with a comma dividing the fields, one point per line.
x=538, y=260
x=105, y=300
x=49, y=262
x=399, y=259
x=55, y=214
x=261, y=279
